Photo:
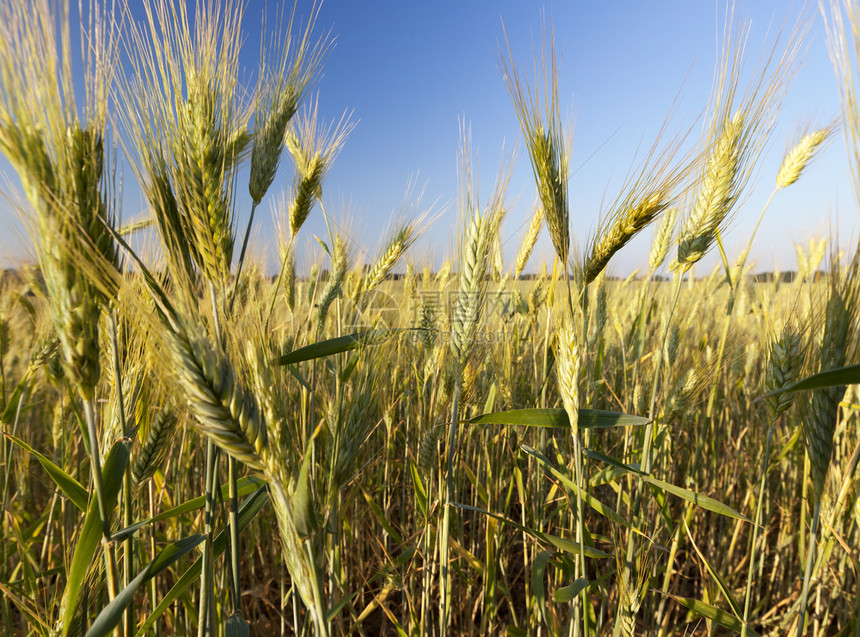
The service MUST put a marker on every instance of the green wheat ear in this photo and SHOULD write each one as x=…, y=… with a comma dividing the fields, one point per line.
x=785, y=360
x=153, y=449
x=287, y=69
x=188, y=142
x=821, y=411
x=626, y=225
x=223, y=410
x=469, y=304
x=60, y=157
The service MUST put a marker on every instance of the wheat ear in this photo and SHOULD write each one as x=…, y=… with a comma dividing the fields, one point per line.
x=569, y=361
x=153, y=449
x=783, y=366
x=626, y=225
x=313, y=148
x=472, y=287
x=222, y=410
x=662, y=239
x=396, y=247
x=798, y=158
x=334, y=283
x=540, y=121
x=529, y=242
x=717, y=193
x=819, y=422
x=279, y=96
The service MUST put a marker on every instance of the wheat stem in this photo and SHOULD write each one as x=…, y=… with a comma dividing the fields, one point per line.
x=95, y=460
x=444, y=547
x=242, y=257
x=128, y=615
x=278, y=282
x=807, y=574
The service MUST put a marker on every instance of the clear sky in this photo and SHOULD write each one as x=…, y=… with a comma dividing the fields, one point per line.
x=410, y=71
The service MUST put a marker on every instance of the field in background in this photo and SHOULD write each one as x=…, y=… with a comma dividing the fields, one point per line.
x=396, y=405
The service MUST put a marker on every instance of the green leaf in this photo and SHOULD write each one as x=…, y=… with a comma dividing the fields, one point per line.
x=702, y=501
x=68, y=485
x=720, y=617
x=590, y=500
x=111, y=614
x=304, y=507
x=538, y=574
x=10, y=410
x=567, y=593
x=831, y=378
x=244, y=486
x=247, y=512
x=91, y=532
x=420, y=491
x=560, y=543
x=736, y=609
x=588, y=418
x=332, y=346
x=380, y=516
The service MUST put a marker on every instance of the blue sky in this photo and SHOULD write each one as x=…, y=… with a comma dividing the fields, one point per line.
x=410, y=72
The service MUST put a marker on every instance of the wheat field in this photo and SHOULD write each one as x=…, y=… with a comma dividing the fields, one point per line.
x=192, y=446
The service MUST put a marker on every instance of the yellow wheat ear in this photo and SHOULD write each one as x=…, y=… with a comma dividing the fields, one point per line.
x=797, y=159
x=539, y=115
